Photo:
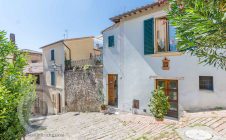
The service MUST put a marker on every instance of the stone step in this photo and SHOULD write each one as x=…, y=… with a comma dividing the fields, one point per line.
x=113, y=110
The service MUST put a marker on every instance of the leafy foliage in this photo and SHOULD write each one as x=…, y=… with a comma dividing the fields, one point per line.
x=15, y=89
x=103, y=107
x=201, y=29
x=159, y=104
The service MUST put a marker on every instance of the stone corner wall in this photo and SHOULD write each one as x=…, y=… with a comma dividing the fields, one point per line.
x=83, y=89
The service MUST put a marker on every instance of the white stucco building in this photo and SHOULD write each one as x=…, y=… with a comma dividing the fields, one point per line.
x=139, y=54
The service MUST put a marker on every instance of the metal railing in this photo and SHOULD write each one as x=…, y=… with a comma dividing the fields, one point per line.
x=82, y=62
x=97, y=60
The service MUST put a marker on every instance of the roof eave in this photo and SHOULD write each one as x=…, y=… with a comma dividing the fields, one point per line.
x=117, y=19
x=63, y=40
x=52, y=44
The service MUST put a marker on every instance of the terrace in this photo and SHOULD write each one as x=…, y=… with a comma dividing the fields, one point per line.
x=93, y=61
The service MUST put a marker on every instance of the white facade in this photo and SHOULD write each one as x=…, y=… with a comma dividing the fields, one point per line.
x=55, y=103
x=137, y=73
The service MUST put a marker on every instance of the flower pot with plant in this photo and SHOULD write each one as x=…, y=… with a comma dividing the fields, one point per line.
x=159, y=104
x=103, y=108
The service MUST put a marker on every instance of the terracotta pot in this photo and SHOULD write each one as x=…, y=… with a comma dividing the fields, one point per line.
x=159, y=119
x=104, y=111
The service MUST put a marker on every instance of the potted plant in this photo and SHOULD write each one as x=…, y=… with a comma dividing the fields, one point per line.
x=103, y=108
x=159, y=104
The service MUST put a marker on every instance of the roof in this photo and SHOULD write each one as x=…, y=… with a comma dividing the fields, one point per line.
x=34, y=68
x=117, y=18
x=31, y=51
x=108, y=28
x=63, y=40
x=100, y=37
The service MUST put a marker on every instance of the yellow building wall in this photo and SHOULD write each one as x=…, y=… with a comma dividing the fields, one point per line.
x=80, y=48
x=34, y=57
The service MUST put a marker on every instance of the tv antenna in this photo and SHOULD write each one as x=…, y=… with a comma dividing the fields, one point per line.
x=65, y=34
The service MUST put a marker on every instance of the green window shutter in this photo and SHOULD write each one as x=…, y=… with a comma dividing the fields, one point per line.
x=149, y=36
x=53, y=78
x=111, y=41
x=52, y=55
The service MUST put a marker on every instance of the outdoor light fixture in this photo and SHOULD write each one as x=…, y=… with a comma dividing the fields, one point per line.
x=56, y=67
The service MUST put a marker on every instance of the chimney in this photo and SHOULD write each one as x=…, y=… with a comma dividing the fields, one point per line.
x=12, y=38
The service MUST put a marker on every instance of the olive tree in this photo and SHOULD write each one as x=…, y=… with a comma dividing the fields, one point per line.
x=201, y=29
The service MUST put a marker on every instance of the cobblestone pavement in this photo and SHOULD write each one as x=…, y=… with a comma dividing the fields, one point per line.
x=87, y=126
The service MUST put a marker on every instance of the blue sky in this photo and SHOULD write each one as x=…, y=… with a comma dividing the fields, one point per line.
x=40, y=22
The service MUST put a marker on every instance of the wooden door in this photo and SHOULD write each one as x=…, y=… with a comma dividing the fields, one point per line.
x=170, y=88
x=58, y=103
x=112, y=90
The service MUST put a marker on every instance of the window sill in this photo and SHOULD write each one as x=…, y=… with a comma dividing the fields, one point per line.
x=160, y=54
x=206, y=91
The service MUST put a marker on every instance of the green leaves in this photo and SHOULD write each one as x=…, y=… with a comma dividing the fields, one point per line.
x=15, y=87
x=201, y=29
x=159, y=104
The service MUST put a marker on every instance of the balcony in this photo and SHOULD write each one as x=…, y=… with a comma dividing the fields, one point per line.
x=94, y=61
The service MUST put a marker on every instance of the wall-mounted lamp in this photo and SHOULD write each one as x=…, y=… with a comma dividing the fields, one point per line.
x=56, y=67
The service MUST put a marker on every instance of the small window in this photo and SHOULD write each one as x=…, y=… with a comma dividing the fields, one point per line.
x=52, y=55
x=206, y=82
x=53, y=82
x=34, y=61
x=111, y=41
x=37, y=79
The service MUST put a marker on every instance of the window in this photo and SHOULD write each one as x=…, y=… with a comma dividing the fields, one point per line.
x=164, y=35
x=37, y=79
x=172, y=39
x=34, y=61
x=206, y=82
x=52, y=55
x=53, y=82
x=111, y=41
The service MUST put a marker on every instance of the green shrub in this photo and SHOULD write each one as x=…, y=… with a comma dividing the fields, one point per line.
x=103, y=107
x=159, y=104
x=17, y=91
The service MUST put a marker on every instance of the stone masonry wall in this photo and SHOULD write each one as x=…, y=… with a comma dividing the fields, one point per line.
x=83, y=89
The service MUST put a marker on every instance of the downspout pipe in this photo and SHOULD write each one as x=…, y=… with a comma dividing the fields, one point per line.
x=65, y=94
x=69, y=52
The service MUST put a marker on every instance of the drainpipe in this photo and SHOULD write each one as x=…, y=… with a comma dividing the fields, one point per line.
x=69, y=53
x=65, y=94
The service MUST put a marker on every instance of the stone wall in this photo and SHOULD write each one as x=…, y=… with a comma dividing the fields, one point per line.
x=83, y=89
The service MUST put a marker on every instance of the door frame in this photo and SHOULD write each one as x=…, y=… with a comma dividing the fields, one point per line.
x=170, y=113
x=116, y=102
